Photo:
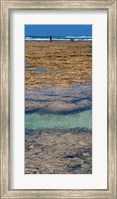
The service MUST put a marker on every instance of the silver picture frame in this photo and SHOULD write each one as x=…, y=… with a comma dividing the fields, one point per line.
x=6, y=7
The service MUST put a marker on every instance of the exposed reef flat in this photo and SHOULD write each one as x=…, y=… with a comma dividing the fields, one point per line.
x=57, y=64
x=54, y=151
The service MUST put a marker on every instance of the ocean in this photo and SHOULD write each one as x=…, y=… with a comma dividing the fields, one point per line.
x=58, y=38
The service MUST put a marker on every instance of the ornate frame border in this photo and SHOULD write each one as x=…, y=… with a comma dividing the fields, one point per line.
x=6, y=7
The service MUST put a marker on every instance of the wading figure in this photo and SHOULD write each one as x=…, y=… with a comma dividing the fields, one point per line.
x=50, y=38
x=71, y=39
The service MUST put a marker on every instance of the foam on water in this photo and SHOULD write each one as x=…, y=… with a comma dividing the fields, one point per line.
x=59, y=38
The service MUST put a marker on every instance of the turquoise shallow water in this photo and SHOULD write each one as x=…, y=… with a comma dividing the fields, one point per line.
x=36, y=121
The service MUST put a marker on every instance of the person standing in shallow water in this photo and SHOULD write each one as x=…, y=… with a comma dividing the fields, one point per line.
x=50, y=38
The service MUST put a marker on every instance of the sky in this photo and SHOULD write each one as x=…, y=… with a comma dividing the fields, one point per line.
x=58, y=30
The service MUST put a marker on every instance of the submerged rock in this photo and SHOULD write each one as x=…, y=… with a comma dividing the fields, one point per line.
x=56, y=152
x=62, y=101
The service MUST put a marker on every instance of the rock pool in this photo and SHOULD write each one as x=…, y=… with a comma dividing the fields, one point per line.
x=50, y=108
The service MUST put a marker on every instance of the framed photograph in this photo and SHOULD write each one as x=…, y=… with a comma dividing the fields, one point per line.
x=58, y=99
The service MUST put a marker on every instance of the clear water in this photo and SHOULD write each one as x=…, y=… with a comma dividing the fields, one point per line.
x=80, y=95
x=36, y=121
x=27, y=63
x=40, y=70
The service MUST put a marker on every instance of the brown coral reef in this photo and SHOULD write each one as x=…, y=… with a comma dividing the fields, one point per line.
x=57, y=64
